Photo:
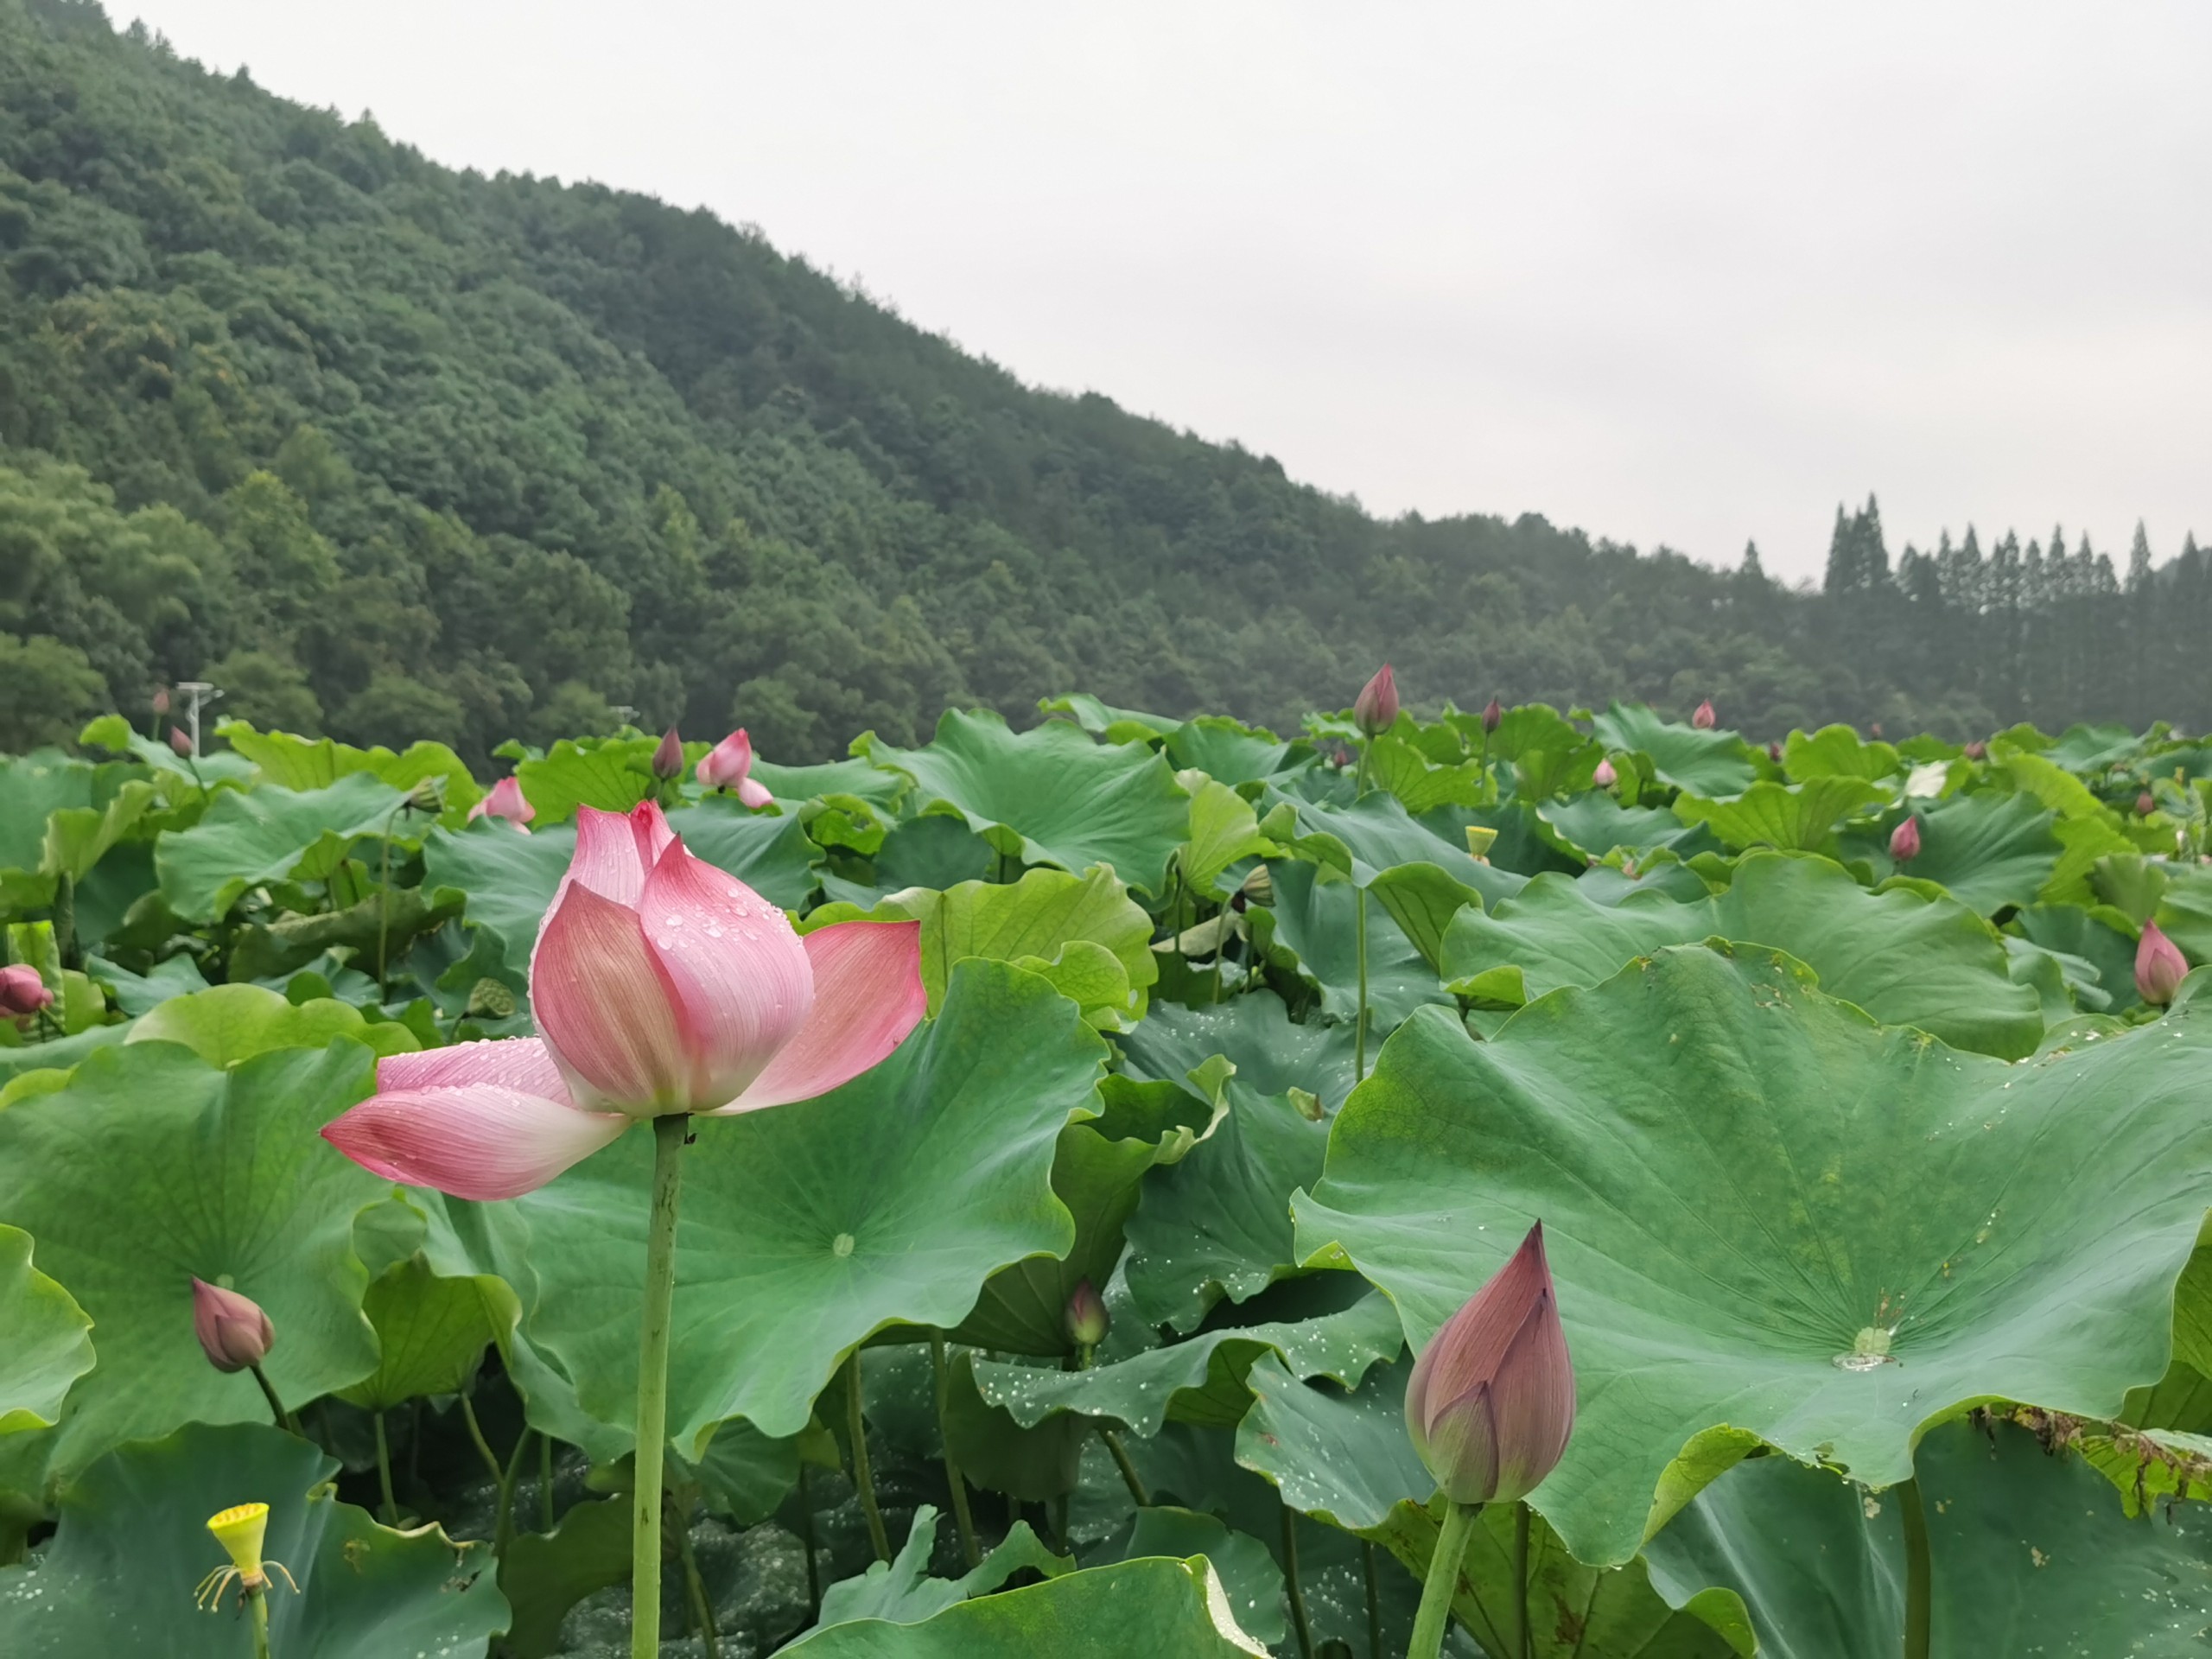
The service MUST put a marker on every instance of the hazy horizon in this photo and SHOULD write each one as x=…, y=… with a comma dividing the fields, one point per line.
x=1674, y=282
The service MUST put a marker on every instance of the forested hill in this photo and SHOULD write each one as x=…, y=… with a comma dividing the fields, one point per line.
x=393, y=451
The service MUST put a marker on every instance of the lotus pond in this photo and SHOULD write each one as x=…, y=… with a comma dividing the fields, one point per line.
x=1142, y=1099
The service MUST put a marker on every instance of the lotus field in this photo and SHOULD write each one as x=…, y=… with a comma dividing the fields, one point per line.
x=1512, y=1183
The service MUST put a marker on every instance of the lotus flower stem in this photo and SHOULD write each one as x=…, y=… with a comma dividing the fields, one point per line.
x=863, y=1480
x=961, y=1518
x=1130, y=1478
x=277, y=1409
x=476, y=1433
x=1443, y=1580
x=1359, y=1036
x=806, y=1542
x=702, y=1611
x=259, y=1602
x=1521, y=1580
x=669, y=1132
x=1374, y=1599
x=1298, y=1620
x=65, y=922
x=383, y=1474
x=1919, y=1579
x=503, y=1528
x=545, y=1482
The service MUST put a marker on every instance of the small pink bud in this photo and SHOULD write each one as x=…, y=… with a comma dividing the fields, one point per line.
x=1376, y=709
x=506, y=801
x=1491, y=715
x=234, y=1333
x=22, y=993
x=1491, y=1402
x=668, y=757
x=1977, y=751
x=1701, y=716
x=160, y=699
x=1086, y=1317
x=2145, y=807
x=1774, y=752
x=1874, y=728
x=1604, y=777
x=2159, y=966
x=728, y=765
x=1905, y=841
x=180, y=742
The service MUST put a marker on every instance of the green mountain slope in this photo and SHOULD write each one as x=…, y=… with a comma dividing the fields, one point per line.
x=395, y=451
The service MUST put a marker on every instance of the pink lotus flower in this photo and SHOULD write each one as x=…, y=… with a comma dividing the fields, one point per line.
x=2159, y=966
x=1905, y=841
x=22, y=993
x=1491, y=1402
x=506, y=801
x=1977, y=751
x=1374, y=710
x=1604, y=777
x=181, y=742
x=660, y=985
x=1702, y=715
x=2145, y=804
x=728, y=765
x=234, y=1333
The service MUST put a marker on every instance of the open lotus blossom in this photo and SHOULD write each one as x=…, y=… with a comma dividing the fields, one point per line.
x=234, y=1333
x=22, y=993
x=660, y=985
x=1604, y=777
x=728, y=765
x=1702, y=716
x=506, y=801
x=1376, y=709
x=2159, y=966
x=1491, y=1402
x=1905, y=841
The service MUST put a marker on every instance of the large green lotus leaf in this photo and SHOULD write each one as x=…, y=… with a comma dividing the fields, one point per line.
x=2184, y=914
x=292, y=762
x=1764, y=1213
x=1198, y=1380
x=152, y=1168
x=119, y=1575
x=545, y=1574
x=1592, y=824
x=806, y=1228
x=2087, y=748
x=78, y=838
x=1992, y=851
x=1100, y=718
x=1153, y=1605
x=430, y=1332
x=901, y=1591
x=1233, y=753
x=1420, y=784
x=1768, y=814
x=1906, y=960
x=613, y=774
x=1255, y=1033
x=2089, y=936
x=47, y=1349
x=1218, y=1223
x=1714, y=765
x=226, y=1024
x=770, y=854
x=1375, y=833
x=1836, y=752
x=1036, y=917
x=1050, y=795
x=2031, y=1553
x=1247, y=1570
x=1224, y=831
x=1316, y=934
x=1345, y=1459
x=266, y=835
x=871, y=783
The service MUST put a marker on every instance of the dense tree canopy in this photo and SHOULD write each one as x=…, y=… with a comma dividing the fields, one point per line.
x=392, y=451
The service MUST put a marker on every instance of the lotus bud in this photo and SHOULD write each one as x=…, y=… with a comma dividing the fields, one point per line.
x=2145, y=805
x=1259, y=886
x=1905, y=841
x=1977, y=751
x=1604, y=777
x=668, y=757
x=1774, y=752
x=160, y=699
x=728, y=765
x=1376, y=709
x=234, y=1333
x=506, y=801
x=1492, y=714
x=1491, y=1402
x=180, y=742
x=22, y=993
x=1874, y=728
x=1701, y=716
x=1086, y=1318
x=2159, y=966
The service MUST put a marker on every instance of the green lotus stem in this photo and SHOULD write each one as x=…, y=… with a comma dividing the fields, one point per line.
x=1919, y=1578
x=259, y=1602
x=1521, y=1579
x=503, y=1525
x=476, y=1433
x=695, y=1587
x=1130, y=1478
x=863, y=1481
x=1298, y=1620
x=806, y=1541
x=544, y=1481
x=384, y=1469
x=653, y=1324
x=961, y=1518
x=65, y=921
x=277, y=1409
x=1443, y=1580
x=1374, y=1599
x=1359, y=1039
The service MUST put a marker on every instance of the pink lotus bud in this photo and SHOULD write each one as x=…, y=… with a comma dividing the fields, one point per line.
x=1774, y=752
x=234, y=1333
x=1701, y=716
x=1491, y=1402
x=181, y=742
x=2159, y=966
x=1491, y=715
x=1905, y=841
x=668, y=757
x=1977, y=751
x=1873, y=728
x=1604, y=777
x=1085, y=1317
x=160, y=699
x=506, y=801
x=2145, y=805
x=22, y=993
x=728, y=765
x=1376, y=709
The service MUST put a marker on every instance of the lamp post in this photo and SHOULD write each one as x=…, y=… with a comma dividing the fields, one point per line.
x=198, y=691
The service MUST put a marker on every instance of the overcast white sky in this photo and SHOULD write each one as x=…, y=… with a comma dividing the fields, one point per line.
x=1684, y=273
